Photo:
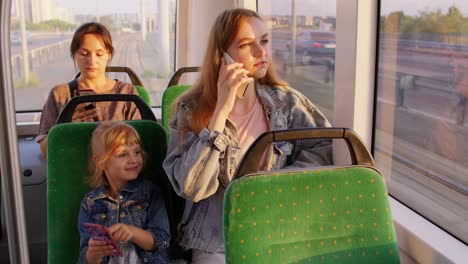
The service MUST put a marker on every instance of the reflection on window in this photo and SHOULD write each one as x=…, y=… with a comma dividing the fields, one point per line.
x=303, y=46
x=48, y=26
x=422, y=115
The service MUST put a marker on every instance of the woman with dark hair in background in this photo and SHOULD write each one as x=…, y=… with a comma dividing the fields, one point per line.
x=91, y=50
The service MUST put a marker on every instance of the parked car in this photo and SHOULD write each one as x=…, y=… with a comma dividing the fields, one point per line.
x=314, y=46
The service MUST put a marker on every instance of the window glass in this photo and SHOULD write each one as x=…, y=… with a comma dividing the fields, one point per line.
x=421, y=125
x=46, y=28
x=303, y=46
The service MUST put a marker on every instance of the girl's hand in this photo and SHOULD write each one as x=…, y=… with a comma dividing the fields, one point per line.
x=231, y=78
x=83, y=115
x=122, y=232
x=97, y=249
x=142, y=238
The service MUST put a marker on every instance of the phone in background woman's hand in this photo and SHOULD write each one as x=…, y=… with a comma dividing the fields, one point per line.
x=81, y=92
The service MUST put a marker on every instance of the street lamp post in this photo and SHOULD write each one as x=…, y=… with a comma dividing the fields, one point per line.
x=143, y=20
x=164, y=37
x=24, y=40
x=293, y=36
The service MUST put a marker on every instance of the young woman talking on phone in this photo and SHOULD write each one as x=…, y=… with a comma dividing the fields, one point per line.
x=215, y=122
x=91, y=50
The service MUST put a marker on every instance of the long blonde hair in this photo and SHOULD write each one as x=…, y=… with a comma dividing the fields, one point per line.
x=204, y=91
x=107, y=138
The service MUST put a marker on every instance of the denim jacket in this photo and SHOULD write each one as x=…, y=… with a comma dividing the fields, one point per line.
x=201, y=166
x=140, y=203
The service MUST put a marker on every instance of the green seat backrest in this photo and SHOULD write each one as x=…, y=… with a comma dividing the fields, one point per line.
x=169, y=96
x=143, y=93
x=325, y=215
x=67, y=168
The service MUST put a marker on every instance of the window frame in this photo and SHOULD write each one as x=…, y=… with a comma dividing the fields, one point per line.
x=357, y=22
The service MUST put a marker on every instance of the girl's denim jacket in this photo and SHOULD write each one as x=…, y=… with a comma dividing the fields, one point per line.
x=201, y=166
x=140, y=203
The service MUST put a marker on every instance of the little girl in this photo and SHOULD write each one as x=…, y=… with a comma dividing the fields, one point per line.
x=132, y=208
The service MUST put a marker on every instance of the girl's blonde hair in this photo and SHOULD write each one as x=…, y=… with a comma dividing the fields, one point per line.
x=107, y=138
x=204, y=91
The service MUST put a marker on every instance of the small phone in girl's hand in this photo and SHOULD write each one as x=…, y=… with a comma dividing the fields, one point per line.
x=100, y=232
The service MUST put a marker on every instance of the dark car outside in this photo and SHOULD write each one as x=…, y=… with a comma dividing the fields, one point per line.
x=315, y=46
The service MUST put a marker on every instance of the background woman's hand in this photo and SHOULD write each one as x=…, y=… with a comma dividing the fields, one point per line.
x=83, y=115
x=231, y=78
x=97, y=249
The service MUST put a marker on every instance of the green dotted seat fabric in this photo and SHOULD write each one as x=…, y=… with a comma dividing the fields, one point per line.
x=169, y=96
x=328, y=215
x=68, y=150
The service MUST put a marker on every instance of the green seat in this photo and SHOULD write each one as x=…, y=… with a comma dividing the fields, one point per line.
x=142, y=92
x=68, y=149
x=169, y=97
x=173, y=90
x=333, y=214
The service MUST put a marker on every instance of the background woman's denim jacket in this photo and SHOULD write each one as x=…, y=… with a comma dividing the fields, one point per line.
x=140, y=203
x=201, y=166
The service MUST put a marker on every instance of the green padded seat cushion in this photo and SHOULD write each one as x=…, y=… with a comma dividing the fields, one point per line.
x=68, y=150
x=331, y=215
x=169, y=97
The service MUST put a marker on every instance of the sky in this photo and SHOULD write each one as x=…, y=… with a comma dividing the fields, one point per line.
x=277, y=7
x=412, y=7
x=103, y=7
x=328, y=7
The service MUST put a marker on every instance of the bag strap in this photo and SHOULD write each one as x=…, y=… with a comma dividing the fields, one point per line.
x=73, y=85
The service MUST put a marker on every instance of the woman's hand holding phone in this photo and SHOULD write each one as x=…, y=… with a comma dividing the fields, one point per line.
x=86, y=112
x=230, y=60
x=232, y=77
x=81, y=114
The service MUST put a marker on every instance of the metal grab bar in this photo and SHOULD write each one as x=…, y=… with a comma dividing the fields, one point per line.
x=12, y=188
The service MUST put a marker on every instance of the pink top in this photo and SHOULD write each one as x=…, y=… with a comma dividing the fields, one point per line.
x=249, y=125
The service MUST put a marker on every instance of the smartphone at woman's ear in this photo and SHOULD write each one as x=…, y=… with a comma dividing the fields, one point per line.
x=229, y=60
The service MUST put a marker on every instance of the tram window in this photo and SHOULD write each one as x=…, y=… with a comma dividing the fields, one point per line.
x=421, y=125
x=311, y=69
x=148, y=50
